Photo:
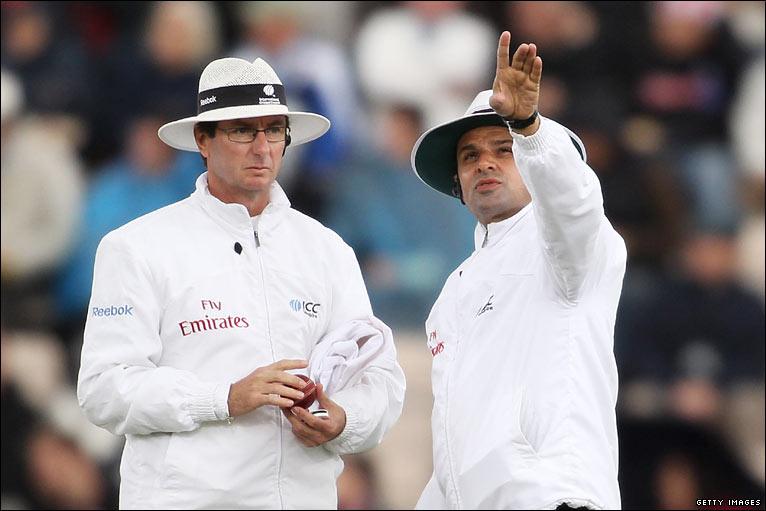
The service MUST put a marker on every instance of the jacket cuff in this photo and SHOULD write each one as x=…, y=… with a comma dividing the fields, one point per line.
x=210, y=404
x=536, y=143
x=342, y=443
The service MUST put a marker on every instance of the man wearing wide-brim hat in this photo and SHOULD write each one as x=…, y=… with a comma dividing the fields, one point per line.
x=203, y=312
x=524, y=377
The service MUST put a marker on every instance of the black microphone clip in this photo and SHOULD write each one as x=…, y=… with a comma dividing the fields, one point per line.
x=237, y=247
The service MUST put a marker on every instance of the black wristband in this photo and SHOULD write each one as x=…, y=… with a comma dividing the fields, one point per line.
x=520, y=124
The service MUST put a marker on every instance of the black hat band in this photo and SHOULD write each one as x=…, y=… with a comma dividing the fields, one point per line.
x=262, y=94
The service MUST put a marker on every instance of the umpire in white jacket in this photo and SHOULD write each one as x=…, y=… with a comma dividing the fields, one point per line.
x=524, y=377
x=202, y=312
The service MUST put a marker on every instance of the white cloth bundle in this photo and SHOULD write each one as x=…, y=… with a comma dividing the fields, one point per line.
x=340, y=357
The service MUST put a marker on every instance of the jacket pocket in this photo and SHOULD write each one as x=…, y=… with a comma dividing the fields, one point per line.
x=180, y=464
x=507, y=472
x=522, y=414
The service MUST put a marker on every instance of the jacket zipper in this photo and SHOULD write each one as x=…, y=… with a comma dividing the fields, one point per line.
x=447, y=440
x=449, y=373
x=273, y=359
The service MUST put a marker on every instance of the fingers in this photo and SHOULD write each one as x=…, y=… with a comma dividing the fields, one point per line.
x=519, y=56
x=277, y=400
x=284, y=391
x=503, y=50
x=526, y=60
x=287, y=364
x=529, y=59
x=277, y=372
x=310, y=431
x=537, y=70
x=267, y=385
x=284, y=378
x=324, y=401
x=305, y=435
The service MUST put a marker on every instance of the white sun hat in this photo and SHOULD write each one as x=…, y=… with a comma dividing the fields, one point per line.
x=434, y=157
x=232, y=88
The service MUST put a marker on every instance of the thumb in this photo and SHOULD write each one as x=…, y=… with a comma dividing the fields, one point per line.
x=324, y=401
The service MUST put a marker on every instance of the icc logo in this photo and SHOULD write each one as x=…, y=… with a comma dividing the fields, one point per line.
x=268, y=90
x=311, y=309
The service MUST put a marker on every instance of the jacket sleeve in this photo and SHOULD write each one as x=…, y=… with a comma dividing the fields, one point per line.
x=121, y=385
x=373, y=404
x=568, y=206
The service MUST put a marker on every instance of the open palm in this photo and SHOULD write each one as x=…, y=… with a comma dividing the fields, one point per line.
x=516, y=89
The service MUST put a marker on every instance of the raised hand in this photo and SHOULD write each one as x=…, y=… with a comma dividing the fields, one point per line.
x=516, y=89
x=267, y=385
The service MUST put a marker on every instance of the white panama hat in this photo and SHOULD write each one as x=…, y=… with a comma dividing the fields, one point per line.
x=232, y=88
x=434, y=157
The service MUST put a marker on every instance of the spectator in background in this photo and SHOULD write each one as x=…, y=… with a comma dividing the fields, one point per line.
x=147, y=176
x=316, y=74
x=408, y=54
x=42, y=467
x=747, y=127
x=696, y=349
x=150, y=68
x=42, y=188
x=51, y=65
x=577, y=47
x=404, y=257
x=673, y=463
x=685, y=83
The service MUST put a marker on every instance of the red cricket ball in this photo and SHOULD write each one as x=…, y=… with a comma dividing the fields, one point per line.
x=309, y=392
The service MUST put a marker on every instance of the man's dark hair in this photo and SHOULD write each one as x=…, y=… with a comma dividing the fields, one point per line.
x=457, y=190
x=208, y=128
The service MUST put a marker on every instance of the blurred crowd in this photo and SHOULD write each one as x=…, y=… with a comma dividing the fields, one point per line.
x=667, y=96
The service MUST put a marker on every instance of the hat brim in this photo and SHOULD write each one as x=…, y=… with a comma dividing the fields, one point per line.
x=434, y=157
x=304, y=126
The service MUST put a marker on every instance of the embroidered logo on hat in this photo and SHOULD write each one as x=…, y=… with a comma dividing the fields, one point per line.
x=239, y=95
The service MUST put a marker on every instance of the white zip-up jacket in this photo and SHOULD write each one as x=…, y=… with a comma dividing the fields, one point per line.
x=178, y=314
x=524, y=376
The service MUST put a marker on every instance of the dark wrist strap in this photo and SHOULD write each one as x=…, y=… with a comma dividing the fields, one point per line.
x=520, y=124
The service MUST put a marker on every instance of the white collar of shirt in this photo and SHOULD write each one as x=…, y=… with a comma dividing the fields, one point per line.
x=496, y=231
x=236, y=215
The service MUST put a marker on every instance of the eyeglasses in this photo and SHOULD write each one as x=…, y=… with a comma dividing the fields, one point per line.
x=246, y=134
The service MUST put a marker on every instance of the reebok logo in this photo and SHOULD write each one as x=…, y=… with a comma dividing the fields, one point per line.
x=487, y=307
x=207, y=101
x=122, y=310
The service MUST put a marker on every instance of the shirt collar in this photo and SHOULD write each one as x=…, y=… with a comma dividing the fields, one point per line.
x=236, y=215
x=496, y=231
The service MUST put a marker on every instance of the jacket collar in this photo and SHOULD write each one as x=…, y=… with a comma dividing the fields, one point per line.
x=496, y=231
x=236, y=215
